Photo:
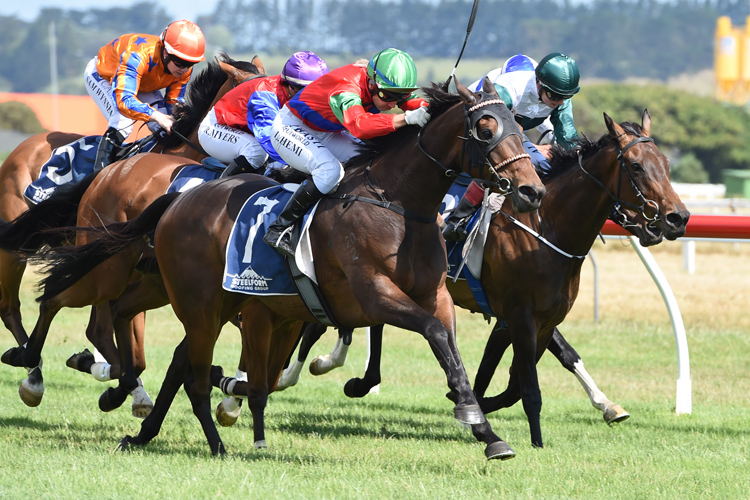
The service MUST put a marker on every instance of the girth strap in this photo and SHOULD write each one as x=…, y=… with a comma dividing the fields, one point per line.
x=403, y=212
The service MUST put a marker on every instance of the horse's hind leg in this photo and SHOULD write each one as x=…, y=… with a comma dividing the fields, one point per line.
x=336, y=359
x=100, y=333
x=360, y=387
x=493, y=352
x=11, y=273
x=570, y=359
x=128, y=321
x=176, y=375
x=310, y=334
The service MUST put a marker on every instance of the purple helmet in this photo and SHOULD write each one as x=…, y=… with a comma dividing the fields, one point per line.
x=303, y=67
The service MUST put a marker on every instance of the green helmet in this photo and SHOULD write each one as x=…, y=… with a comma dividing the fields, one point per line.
x=392, y=69
x=559, y=73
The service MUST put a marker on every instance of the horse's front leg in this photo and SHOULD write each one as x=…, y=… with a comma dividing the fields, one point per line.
x=498, y=342
x=523, y=332
x=360, y=387
x=309, y=335
x=570, y=359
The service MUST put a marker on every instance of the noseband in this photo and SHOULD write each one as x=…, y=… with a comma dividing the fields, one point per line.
x=478, y=149
x=617, y=199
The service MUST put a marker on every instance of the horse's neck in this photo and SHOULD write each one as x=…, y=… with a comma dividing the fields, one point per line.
x=415, y=181
x=575, y=207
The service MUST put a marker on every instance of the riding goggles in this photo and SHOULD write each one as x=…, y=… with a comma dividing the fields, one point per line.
x=180, y=63
x=554, y=96
x=397, y=97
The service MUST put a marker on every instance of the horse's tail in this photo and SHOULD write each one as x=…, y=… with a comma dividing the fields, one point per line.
x=31, y=230
x=64, y=266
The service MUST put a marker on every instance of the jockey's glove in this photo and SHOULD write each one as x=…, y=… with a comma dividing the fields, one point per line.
x=419, y=116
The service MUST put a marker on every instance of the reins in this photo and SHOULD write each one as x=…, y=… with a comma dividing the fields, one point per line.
x=618, y=201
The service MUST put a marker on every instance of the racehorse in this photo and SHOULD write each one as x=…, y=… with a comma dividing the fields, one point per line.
x=119, y=193
x=531, y=276
x=374, y=264
x=648, y=234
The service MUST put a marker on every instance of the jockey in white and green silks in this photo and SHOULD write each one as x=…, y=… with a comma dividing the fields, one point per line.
x=540, y=95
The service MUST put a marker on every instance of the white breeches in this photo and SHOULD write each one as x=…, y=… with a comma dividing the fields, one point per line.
x=227, y=143
x=100, y=91
x=311, y=151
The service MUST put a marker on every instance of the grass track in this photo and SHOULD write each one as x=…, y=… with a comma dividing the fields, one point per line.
x=404, y=443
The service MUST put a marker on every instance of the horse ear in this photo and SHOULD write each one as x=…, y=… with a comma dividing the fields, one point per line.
x=258, y=64
x=464, y=92
x=488, y=87
x=614, y=128
x=231, y=71
x=646, y=123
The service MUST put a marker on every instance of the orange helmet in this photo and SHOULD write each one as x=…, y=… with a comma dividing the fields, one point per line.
x=185, y=40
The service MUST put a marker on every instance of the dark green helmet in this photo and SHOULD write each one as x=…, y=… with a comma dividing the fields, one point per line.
x=559, y=73
x=394, y=70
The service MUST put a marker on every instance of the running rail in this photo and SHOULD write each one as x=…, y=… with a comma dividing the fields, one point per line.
x=713, y=227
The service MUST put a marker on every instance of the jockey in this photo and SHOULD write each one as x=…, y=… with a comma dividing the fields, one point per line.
x=540, y=96
x=318, y=128
x=126, y=76
x=237, y=130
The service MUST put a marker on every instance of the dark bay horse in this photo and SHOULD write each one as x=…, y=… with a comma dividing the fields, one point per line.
x=374, y=265
x=116, y=194
x=533, y=284
x=22, y=167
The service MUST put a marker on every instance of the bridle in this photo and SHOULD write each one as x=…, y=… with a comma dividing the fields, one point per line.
x=619, y=202
x=477, y=148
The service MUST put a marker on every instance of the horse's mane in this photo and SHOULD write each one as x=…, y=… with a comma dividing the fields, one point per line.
x=199, y=95
x=440, y=100
x=564, y=159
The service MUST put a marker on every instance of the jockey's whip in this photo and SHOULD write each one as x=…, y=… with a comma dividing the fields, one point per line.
x=468, y=31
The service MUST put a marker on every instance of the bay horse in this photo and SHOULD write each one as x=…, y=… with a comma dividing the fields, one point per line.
x=531, y=276
x=117, y=193
x=648, y=234
x=374, y=264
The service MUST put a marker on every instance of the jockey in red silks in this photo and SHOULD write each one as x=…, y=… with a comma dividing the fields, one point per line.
x=319, y=128
x=237, y=130
x=126, y=76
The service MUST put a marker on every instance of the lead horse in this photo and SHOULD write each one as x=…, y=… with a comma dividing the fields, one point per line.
x=116, y=194
x=376, y=262
x=531, y=276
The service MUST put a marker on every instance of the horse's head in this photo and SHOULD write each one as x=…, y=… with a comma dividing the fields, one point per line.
x=495, y=147
x=649, y=187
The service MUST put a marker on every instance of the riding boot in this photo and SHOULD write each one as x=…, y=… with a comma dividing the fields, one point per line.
x=109, y=144
x=239, y=165
x=455, y=225
x=279, y=234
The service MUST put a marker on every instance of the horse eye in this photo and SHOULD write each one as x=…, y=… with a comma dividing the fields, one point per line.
x=637, y=167
x=486, y=133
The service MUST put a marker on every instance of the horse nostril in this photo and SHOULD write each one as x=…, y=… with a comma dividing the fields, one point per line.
x=676, y=220
x=532, y=193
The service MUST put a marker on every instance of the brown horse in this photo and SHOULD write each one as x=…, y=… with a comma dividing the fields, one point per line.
x=22, y=167
x=117, y=194
x=531, y=276
x=367, y=275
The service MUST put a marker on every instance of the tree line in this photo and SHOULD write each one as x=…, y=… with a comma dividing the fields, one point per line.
x=610, y=39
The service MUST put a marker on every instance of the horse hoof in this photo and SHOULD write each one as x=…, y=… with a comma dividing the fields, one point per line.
x=261, y=445
x=13, y=357
x=469, y=414
x=318, y=366
x=226, y=417
x=31, y=394
x=81, y=361
x=499, y=450
x=141, y=410
x=111, y=399
x=615, y=413
x=123, y=445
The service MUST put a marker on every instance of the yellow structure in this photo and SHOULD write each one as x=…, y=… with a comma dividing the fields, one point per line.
x=732, y=61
